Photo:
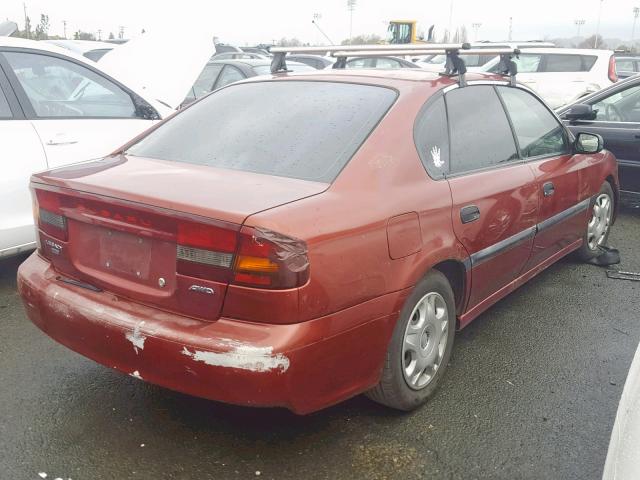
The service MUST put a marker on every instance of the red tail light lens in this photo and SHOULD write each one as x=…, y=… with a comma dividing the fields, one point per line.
x=613, y=75
x=205, y=251
x=49, y=214
x=267, y=259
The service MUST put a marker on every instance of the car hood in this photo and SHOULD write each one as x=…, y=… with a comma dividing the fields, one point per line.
x=160, y=66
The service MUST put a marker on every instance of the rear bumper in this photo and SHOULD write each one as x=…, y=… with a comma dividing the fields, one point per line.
x=303, y=367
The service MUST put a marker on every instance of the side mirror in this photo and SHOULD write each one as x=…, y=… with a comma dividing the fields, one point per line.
x=588, y=143
x=581, y=111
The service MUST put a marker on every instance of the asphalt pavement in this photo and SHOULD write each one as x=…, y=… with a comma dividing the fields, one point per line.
x=531, y=393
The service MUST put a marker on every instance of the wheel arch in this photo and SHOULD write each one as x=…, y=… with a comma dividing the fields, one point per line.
x=456, y=273
x=616, y=196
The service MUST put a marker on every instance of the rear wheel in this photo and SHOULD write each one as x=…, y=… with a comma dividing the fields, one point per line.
x=599, y=225
x=420, y=346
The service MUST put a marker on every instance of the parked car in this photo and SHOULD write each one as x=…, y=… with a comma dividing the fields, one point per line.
x=380, y=62
x=258, y=50
x=60, y=108
x=627, y=66
x=299, y=239
x=316, y=61
x=218, y=73
x=563, y=75
x=93, y=50
x=623, y=456
x=435, y=63
x=613, y=113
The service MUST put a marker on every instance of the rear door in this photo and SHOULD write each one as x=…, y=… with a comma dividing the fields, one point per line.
x=78, y=113
x=543, y=143
x=494, y=193
x=618, y=121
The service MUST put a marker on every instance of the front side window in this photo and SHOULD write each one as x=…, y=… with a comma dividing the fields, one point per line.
x=387, y=63
x=431, y=136
x=307, y=130
x=60, y=88
x=480, y=133
x=204, y=83
x=230, y=74
x=623, y=106
x=537, y=131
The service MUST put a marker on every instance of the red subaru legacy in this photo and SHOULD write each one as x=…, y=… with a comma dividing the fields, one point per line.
x=299, y=240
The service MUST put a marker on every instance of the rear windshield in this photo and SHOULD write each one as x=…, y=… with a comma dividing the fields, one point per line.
x=300, y=129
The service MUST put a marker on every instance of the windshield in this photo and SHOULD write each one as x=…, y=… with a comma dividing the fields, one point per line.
x=300, y=129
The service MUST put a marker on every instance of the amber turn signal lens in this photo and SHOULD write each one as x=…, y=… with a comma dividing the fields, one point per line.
x=255, y=264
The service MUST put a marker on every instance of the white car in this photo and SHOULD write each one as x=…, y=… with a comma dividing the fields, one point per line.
x=93, y=50
x=58, y=108
x=623, y=457
x=563, y=75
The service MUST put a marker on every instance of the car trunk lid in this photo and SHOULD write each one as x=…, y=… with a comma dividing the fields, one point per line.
x=161, y=233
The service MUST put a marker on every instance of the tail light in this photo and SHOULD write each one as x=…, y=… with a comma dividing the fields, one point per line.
x=270, y=260
x=49, y=216
x=254, y=257
x=613, y=75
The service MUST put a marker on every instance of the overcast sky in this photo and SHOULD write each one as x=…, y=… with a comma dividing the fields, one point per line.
x=246, y=22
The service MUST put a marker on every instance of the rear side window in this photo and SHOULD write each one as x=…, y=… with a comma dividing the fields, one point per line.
x=229, y=75
x=431, y=136
x=480, y=133
x=299, y=129
x=537, y=131
x=568, y=63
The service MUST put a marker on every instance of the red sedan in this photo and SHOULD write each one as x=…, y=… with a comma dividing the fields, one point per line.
x=299, y=240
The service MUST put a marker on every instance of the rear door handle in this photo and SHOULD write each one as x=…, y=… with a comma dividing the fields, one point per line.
x=469, y=214
x=548, y=189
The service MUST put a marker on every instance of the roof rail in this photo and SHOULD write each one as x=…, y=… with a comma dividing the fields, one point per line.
x=454, y=65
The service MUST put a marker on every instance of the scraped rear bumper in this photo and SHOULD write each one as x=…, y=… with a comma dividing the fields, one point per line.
x=303, y=367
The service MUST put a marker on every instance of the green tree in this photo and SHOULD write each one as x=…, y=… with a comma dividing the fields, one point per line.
x=42, y=29
x=590, y=42
x=111, y=36
x=80, y=35
x=289, y=42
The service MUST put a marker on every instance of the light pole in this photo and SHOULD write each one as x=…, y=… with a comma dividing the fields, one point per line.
x=595, y=42
x=510, y=27
x=636, y=12
x=451, y=19
x=476, y=26
x=64, y=28
x=579, y=22
x=351, y=6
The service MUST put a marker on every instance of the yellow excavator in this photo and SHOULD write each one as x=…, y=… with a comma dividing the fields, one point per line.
x=406, y=31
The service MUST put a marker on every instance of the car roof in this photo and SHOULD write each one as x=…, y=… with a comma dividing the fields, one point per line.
x=37, y=45
x=400, y=79
x=567, y=51
x=252, y=62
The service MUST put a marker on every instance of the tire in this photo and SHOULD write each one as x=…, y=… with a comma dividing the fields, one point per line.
x=596, y=232
x=400, y=387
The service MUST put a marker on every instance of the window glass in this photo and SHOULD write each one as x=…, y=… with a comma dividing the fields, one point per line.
x=527, y=63
x=300, y=129
x=623, y=106
x=5, y=111
x=387, y=63
x=292, y=66
x=229, y=75
x=480, y=132
x=60, y=88
x=96, y=54
x=361, y=63
x=624, y=65
x=204, y=83
x=537, y=131
x=564, y=63
x=432, y=138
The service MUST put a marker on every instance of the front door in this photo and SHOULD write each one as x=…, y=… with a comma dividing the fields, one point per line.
x=494, y=193
x=78, y=114
x=543, y=143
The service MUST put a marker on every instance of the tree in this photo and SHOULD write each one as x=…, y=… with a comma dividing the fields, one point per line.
x=590, y=42
x=371, y=39
x=111, y=36
x=80, y=35
x=289, y=42
x=42, y=30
